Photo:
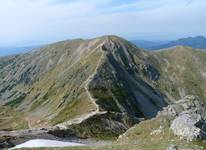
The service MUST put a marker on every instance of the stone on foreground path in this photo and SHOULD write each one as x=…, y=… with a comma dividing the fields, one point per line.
x=171, y=147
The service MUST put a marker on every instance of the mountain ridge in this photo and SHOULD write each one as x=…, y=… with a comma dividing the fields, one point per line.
x=106, y=80
x=55, y=81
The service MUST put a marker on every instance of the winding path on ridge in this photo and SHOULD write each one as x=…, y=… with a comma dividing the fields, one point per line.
x=83, y=117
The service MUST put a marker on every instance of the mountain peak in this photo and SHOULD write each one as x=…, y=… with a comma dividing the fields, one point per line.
x=110, y=37
x=72, y=73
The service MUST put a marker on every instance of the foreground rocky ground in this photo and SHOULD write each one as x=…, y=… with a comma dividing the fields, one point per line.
x=9, y=139
x=180, y=126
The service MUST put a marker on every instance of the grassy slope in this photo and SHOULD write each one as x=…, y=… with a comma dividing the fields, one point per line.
x=182, y=72
x=58, y=94
x=11, y=120
x=140, y=135
x=70, y=95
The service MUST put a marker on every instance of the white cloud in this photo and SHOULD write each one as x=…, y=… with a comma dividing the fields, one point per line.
x=42, y=20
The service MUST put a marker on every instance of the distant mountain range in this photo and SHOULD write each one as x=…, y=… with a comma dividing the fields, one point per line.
x=194, y=42
x=148, y=44
x=4, y=51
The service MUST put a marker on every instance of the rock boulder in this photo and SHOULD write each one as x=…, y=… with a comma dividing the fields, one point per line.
x=189, y=115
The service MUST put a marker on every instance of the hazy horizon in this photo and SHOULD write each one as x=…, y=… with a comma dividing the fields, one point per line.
x=25, y=44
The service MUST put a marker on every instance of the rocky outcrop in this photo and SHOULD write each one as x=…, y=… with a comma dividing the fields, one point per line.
x=189, y=104
x=189, y=116
x=185, y=125
x=5, y=142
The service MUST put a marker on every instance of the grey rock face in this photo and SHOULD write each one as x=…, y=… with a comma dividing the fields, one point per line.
x=184, y=125
x=189, y=104
x=188, y=119
x=189, y=114
x=151, y=72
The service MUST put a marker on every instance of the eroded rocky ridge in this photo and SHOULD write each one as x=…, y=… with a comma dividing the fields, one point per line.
x=103, y=81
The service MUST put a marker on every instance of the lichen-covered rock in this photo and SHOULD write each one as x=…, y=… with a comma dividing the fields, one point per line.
x=189, y=104
x=184, y=125
x=189, y=118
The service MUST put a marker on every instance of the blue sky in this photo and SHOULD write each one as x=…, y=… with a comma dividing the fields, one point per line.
x=30, y=22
